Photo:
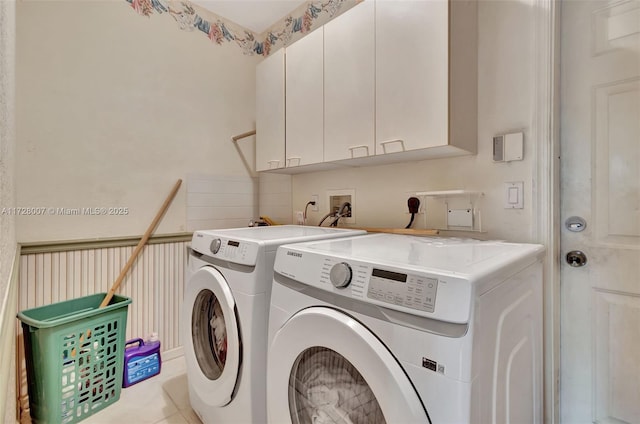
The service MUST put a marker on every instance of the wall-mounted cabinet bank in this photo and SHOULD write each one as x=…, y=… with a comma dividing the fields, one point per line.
x=384, y=82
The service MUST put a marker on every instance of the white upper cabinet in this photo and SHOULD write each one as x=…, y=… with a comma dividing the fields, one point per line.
x=426, y=66
x=270, y=109
x=349, y=84
x=387, y=81
x=304, y=100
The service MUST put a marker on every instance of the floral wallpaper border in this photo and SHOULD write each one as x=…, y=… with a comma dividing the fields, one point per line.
x=219, y=30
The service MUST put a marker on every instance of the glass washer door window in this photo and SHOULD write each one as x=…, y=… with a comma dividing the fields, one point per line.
x=325, y=386
x=209, y=334
x=341, y=374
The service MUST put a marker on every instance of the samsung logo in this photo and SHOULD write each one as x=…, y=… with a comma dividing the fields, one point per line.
x=294, y=254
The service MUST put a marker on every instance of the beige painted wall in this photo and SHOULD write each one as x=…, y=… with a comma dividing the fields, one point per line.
x=113, y=108
x=505, y=104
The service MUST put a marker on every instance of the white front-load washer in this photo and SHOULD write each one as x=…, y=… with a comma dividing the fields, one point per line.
x=402, y=329
x=226, y=303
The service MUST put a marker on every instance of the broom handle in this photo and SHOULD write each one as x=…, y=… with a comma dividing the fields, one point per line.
x=140, y=245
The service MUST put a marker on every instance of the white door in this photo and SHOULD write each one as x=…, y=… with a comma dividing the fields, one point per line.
x=342, y=374
x=600, y=182
x=212, y=337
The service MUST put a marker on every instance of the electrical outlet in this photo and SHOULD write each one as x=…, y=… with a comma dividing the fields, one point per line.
x=315, y=198
x=413, y=203
x=421, y=199
x=335, y=198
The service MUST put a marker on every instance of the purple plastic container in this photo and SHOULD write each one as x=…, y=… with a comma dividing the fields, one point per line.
x=141, y=361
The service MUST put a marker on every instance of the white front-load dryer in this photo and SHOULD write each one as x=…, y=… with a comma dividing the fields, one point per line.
x=399, y=329
x=225, y=312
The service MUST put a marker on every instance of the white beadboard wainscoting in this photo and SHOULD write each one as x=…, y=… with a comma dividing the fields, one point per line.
x=8, y=304
x=155, y=283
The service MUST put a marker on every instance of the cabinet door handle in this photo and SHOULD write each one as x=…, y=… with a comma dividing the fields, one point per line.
x=298, y=158
x=276, y=161
x=362, y=146
x=384, y=144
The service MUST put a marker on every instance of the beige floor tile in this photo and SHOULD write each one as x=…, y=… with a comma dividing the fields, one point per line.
x=176, y=418
x=190, y=415
x=178, y=390
x=146, y=402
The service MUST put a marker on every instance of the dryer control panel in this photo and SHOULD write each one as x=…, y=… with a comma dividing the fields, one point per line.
x=412, y=291
x=439, y=296
x=406, y=290
x=437, y=278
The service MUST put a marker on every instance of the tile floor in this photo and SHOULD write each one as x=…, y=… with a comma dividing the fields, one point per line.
x=162, y=399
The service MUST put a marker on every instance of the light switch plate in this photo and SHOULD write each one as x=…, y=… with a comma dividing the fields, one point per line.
x=514, y=195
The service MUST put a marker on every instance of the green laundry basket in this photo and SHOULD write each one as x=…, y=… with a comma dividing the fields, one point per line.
x=74, y=356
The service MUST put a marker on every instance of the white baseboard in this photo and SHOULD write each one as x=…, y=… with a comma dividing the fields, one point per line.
x=173, y=353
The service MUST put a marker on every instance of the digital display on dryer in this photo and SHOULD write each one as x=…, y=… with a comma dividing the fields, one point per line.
x=233, y=243
x=389, y=275
x=415, y=292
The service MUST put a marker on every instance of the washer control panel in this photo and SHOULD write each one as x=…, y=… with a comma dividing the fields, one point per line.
x=231, y=249
x=240, y=252
x=411, y=291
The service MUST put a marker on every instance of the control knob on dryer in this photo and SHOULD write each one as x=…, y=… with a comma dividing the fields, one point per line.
x=215, y=245
x=340, y=275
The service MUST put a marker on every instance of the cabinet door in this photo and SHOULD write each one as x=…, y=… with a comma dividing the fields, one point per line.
x=305, y=104
x=270, y=136
x=412, y=78
x=349, y=84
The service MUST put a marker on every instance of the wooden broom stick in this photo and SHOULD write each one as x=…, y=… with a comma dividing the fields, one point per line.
x=141, y=244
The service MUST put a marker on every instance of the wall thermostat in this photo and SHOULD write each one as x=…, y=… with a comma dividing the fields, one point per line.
x=508, y=147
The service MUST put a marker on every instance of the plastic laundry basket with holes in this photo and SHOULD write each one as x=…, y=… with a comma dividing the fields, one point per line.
x=74, y=355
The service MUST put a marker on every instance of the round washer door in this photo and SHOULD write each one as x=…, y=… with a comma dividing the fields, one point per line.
x=212, y=345
x=325, y=366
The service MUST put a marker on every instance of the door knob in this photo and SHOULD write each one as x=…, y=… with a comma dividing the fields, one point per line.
x=576, y=258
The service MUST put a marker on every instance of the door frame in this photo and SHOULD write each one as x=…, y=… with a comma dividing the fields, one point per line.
x=546, y=186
